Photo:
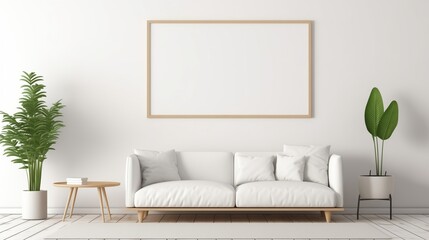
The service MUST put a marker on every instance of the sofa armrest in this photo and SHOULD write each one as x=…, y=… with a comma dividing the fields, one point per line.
x=335, y=173
x=133, y=179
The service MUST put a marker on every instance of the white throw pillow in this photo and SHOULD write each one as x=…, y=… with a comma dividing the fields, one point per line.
x=253, y=168
x=290, y=168
x=317, y=157
x=157, y=166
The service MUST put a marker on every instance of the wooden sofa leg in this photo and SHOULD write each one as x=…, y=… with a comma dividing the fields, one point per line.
x=142, y=215
x=328, y=216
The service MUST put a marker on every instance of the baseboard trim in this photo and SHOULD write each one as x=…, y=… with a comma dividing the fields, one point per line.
x=52, y=211
x=386, y=211
x=94, y=210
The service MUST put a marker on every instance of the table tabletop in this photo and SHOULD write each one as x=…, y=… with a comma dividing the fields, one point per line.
x=89, y=184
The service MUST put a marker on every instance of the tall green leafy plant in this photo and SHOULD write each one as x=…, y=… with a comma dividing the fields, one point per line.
x=30, y=133
x=380, y=124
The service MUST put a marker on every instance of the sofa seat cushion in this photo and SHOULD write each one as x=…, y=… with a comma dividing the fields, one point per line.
x=284, y=194
x=186, y=193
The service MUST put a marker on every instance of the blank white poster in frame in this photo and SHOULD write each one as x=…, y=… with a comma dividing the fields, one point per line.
x=229, y=69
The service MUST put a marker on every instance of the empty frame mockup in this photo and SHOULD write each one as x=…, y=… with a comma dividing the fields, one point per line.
x=229, y=69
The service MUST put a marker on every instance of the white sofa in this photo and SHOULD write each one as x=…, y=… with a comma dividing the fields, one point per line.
x=207, y=184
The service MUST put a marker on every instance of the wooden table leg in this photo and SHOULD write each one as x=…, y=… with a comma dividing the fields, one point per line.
x=101, y=203
x=103, y=189
x=74, y=200
x=68, y=203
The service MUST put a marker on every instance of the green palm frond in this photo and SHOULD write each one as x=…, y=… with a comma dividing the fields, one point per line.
x=30, y=133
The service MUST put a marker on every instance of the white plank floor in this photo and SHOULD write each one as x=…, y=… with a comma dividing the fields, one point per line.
x=401, y=227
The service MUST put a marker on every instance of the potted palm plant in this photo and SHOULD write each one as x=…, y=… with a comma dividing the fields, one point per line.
x=27, y=136
x=380, y=124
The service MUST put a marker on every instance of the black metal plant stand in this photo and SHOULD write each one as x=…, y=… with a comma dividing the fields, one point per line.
x=365, y=199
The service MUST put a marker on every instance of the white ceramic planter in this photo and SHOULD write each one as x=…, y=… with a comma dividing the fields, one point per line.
x=375, y=187
x=34, y=204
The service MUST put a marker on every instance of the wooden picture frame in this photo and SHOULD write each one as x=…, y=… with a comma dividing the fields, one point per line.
x=166, y=38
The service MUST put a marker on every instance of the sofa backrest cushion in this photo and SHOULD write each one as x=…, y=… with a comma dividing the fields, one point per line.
x=157, y=166
x=237, y=181
x=210, y=166
x=253, y=169
x=317, y=159
x=290, y=168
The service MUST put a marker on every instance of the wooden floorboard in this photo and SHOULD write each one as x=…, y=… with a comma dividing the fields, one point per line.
x=257, y=218
x=422, y=218
x=11, y=224
x=239, y=218
x=36, y=228
x=353, y=218
x=170, y=218
x=339, y=218
x=55, y=227
x=30, y=228
x=222, y=218
x=131, y=218
x=21, y=228
x=407, y=226
x=8, y=218
x=273, y=217
x=151, y=218
x=204, y=218
x=12, y=227
x=115, y=218
x=186, y=218
x=389, y=226
x=298, y=218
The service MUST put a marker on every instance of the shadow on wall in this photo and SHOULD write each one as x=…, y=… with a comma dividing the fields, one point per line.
x=86, y=131
x=407, y=189
x=417, y=128
x=354, y=165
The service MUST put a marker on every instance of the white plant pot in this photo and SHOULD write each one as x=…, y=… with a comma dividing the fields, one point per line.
x=375, y=187
x=34, y=204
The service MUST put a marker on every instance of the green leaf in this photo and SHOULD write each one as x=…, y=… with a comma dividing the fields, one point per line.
x=31, y=132
x=373, y=111
x=388, y=121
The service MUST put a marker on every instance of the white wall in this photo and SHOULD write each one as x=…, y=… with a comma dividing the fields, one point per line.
x=92, y=55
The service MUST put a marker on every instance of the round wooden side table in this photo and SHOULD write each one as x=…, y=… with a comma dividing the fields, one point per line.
x=90, y=184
